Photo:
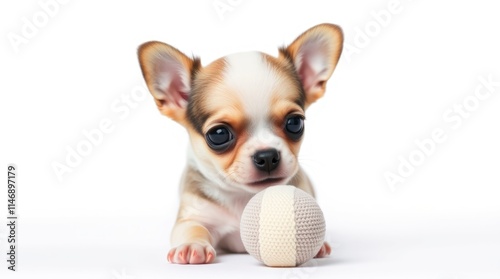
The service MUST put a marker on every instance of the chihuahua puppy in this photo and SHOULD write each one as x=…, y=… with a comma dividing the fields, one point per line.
x=244, y=114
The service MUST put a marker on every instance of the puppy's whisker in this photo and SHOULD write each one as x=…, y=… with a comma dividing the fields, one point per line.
x=237, y=165
x=228, y=175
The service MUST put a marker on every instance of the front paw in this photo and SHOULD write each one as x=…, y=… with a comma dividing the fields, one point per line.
x=191, y=253
x=324, y=251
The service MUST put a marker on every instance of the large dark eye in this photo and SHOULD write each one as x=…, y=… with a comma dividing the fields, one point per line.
x=219, y=138
x=294, y=126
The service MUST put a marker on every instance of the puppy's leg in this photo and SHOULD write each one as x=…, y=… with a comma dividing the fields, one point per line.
x=192, y=244
x=195, y=233
x=324, y=251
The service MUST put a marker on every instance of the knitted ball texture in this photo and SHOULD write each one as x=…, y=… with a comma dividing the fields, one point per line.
x=282, y=226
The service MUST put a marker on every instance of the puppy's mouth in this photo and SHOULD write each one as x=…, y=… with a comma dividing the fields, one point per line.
x=269, y=181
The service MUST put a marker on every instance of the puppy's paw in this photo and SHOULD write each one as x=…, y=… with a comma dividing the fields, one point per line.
x=324, y=251
x=191, y=253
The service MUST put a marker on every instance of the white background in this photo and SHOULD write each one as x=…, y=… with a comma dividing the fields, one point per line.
x=111, y=216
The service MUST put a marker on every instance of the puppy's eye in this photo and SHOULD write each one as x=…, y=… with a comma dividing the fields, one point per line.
x=294, y=126
x=219, y=138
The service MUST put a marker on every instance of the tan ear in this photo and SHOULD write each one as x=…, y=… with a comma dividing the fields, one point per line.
x=315, y=54
x=168, y=74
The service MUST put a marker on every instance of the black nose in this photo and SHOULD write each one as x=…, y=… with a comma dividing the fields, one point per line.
x=266, y=160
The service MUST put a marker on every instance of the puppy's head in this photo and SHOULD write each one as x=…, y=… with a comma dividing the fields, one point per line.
x=244, y=112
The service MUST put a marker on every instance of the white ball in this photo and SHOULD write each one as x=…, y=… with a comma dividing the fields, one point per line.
x=282, y=226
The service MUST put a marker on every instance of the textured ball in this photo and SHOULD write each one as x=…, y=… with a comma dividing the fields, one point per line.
x=282, y=226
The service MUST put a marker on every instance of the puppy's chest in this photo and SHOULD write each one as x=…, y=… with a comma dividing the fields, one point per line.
x=230, y=231
x=225, y=216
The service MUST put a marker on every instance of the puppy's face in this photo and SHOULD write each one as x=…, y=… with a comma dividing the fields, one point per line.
x=244, y=112
x=247, y=117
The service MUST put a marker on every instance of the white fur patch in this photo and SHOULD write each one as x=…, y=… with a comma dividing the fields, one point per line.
x=254, y=81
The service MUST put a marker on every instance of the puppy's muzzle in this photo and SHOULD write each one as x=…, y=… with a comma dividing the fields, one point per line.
x=266, y=160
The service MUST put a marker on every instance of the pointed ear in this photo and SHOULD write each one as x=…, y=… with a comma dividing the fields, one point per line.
x=168, y=73
x=315, y=54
